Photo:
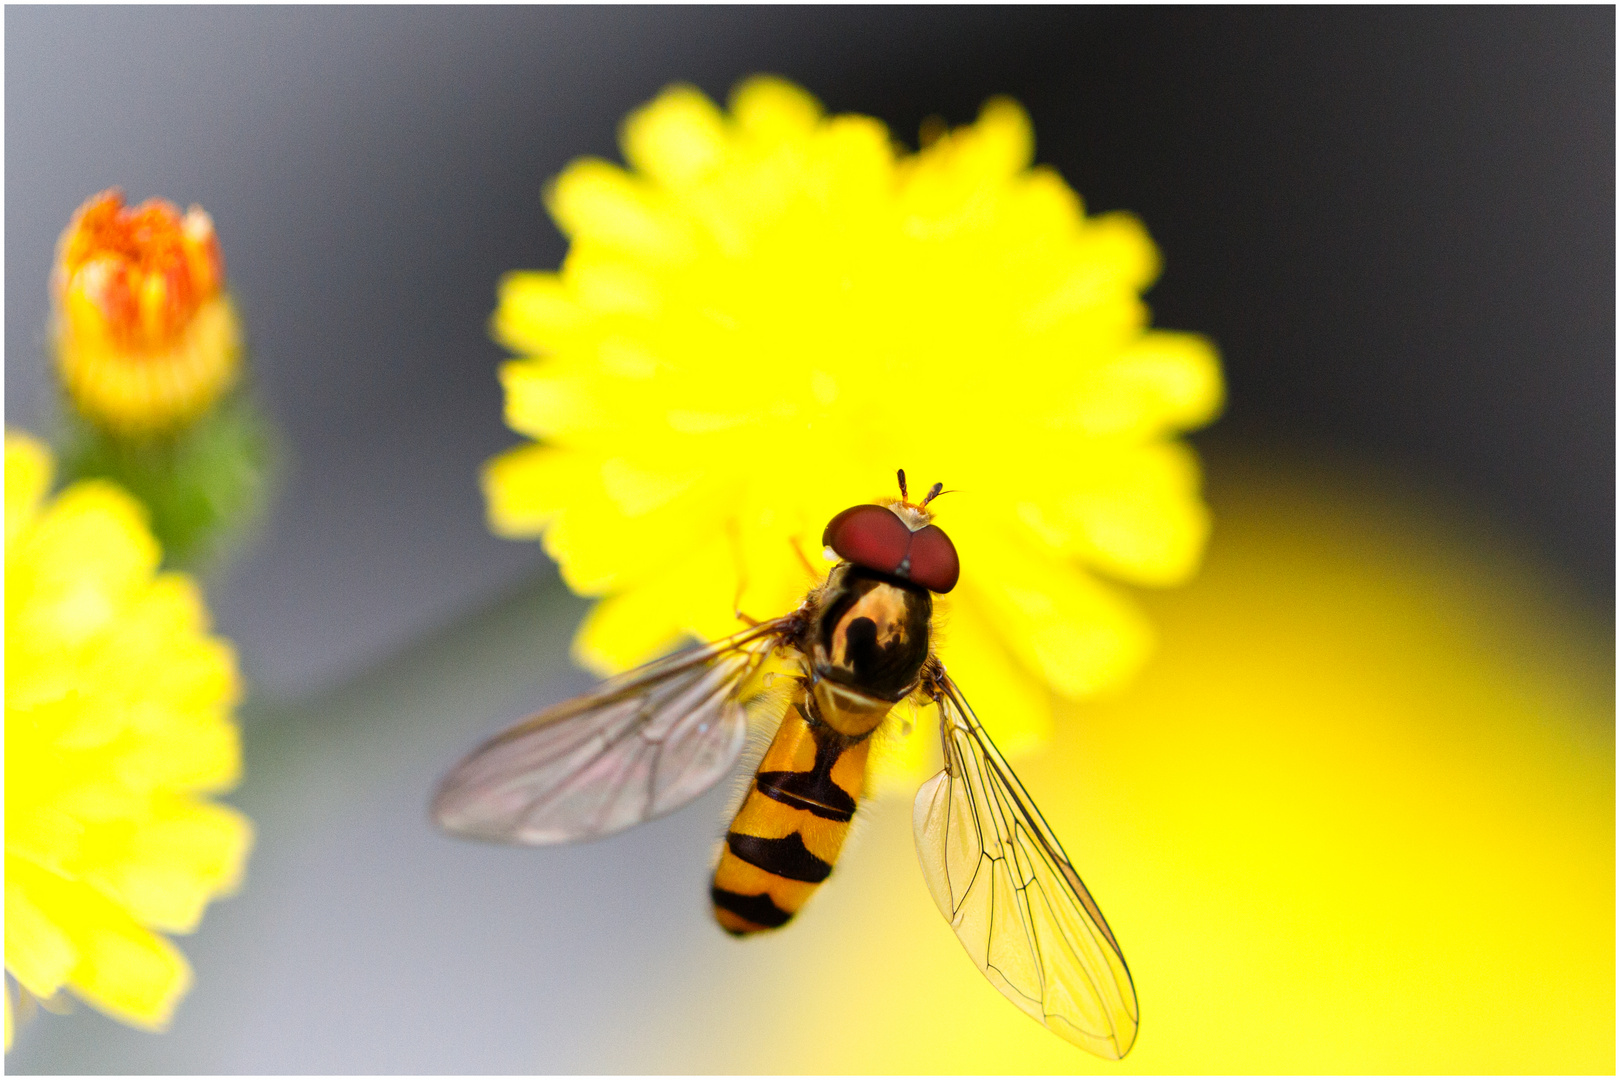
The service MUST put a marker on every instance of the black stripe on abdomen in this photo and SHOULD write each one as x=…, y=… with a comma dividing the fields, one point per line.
x=785, y=857
x=811, y=791
x=760, y=910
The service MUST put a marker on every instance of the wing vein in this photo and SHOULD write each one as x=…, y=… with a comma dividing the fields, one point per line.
x=637, y=747
x=1003, y=882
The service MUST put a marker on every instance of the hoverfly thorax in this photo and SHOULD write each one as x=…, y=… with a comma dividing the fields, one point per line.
x=869, y=632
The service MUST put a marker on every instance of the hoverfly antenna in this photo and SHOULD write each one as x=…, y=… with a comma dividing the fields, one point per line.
x=933, y=493
x=900, y=474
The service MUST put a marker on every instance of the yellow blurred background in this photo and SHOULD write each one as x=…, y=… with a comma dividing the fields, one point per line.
x=1356, y=816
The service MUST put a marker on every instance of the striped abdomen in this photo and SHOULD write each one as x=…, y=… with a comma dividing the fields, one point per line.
x=789, y=830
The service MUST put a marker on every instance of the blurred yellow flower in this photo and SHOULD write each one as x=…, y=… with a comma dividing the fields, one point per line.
x=772, y=310
x=118, y=718
x=144, y=334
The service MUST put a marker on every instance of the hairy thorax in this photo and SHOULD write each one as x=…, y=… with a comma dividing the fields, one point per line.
x=869, y=635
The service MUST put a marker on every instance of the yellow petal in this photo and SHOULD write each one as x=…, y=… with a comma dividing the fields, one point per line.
x=182, y=752
x=1109, y=260
x=543, y=404
x=39, y=954
x=1142, y=520
x=1160, y=383
x=124, y=969
x=1000, y=143
x=855, y=165
x=167, y=869
x=87, y=553
x=28, y=476
x=601, y=204
x=46, y=835
x=625, y=630
x=1042, y=212
x=1080, y=636
x=636, y=626
x=676, y=139
x=776, y=577
x=609, y=285
x=771, y=109
x=1012, y=702
x=638, y=491
x=534, y=312
x=602, y=549
x=1118, y=240
x=156, y=655
x=527, y=486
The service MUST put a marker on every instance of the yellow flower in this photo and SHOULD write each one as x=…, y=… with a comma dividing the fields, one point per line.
x=144, y=334
x=118, y=718
x=772, y=310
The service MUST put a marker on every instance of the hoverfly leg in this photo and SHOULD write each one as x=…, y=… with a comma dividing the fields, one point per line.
x=735, y=535
x=931, y=688
x=804, y=560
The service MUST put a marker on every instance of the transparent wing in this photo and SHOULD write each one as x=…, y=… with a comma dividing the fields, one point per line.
x=635, y=748
x=1001, y=879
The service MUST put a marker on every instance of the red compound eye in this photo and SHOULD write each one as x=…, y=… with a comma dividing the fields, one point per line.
x=869, y=535
x=934, y=564
x=874, y=537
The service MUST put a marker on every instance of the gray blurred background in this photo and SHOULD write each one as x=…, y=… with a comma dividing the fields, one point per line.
x=1429, y=192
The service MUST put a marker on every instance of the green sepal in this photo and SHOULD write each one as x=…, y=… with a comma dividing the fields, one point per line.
x=205, y=485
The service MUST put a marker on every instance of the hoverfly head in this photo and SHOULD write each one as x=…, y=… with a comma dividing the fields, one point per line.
x=897, y=538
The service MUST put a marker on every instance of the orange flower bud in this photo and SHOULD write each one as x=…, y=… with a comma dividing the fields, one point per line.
x=144, y=333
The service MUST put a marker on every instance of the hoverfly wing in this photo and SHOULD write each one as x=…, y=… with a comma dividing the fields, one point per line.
x=635, y=748
x=1002, y=881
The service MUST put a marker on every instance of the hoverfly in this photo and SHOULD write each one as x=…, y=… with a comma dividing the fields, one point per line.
x=649, y=741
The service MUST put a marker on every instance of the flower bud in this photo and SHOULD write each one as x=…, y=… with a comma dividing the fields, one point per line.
x=144, y=334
